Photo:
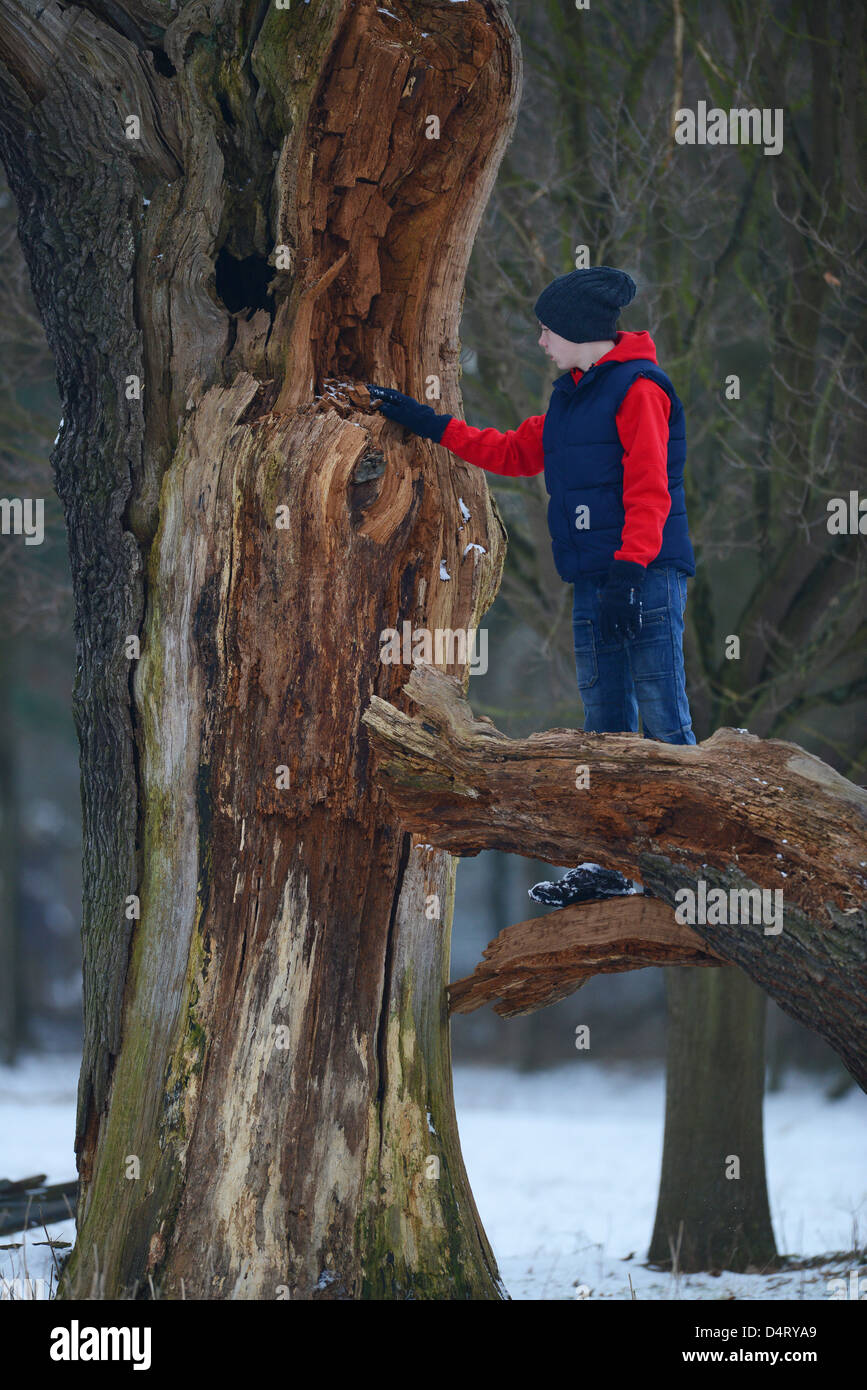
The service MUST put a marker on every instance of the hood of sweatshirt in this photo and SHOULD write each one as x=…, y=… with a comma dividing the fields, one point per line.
x=627, y=346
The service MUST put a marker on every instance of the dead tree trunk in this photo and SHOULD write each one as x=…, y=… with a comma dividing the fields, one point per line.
x=734, y=813
x=221, y=207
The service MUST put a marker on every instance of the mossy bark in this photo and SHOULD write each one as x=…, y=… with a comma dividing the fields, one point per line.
x=266, y=1057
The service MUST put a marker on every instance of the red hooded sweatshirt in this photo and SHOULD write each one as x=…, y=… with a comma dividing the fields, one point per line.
x=642, y=424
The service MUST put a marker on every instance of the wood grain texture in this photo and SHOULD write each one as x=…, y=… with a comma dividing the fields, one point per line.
x=542, y=960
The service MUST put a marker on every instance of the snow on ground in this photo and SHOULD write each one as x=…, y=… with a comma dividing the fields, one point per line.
x=564, y=1166
x=37, y=1130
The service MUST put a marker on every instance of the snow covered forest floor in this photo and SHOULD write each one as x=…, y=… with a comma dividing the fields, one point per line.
x=564, y=1165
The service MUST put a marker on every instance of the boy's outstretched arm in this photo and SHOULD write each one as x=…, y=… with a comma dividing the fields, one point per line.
x=513, y=454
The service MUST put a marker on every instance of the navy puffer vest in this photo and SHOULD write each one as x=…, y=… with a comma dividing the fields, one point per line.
x=584, y=468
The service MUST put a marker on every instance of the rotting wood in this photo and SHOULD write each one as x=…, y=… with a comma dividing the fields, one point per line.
x=542, y=960
x=734, y=812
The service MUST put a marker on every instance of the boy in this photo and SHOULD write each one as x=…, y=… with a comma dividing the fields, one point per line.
x=612, y=445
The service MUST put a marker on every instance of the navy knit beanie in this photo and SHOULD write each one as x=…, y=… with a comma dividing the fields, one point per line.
x=584, y=305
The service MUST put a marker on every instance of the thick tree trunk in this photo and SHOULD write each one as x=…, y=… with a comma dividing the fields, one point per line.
x=734, y=813
x=713, y=1208
x=265, y=1105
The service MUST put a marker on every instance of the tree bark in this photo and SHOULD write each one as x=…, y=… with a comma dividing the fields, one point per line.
x=265, y=1104
x=734, y=812
x=713, y=1210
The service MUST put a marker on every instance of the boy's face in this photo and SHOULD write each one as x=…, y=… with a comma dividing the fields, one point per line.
x=562, y=353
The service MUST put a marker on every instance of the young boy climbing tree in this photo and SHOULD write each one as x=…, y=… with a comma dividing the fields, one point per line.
x=612, y=445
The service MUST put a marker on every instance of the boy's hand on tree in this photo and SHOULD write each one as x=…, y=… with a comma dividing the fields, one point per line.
x=410, y=413
x=620, y=601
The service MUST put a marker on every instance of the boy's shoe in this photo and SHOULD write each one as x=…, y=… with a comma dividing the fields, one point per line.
x=582, y=884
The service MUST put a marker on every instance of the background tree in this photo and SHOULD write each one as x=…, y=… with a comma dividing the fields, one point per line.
x=713, y=1210
x=34, y=602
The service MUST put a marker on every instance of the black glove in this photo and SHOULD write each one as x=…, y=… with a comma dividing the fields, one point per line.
x=409, y=412
x=620, y=601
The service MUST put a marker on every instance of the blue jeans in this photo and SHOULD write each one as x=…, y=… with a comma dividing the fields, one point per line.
x=620, y=679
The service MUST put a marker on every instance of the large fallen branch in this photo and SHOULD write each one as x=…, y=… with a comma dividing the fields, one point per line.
x=733, y=813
